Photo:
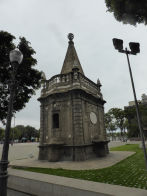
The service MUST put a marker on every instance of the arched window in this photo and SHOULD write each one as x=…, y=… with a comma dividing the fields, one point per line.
x=55, y=120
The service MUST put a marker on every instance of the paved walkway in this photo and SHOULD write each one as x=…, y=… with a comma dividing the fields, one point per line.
x=27, y=155
x=112, y=158
x=26, y=150
x=22, y=150
x=29, y=158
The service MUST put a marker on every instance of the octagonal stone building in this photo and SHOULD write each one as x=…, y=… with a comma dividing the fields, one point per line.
x=72, y=114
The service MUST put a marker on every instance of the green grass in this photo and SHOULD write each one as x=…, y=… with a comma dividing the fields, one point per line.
x=130, y=172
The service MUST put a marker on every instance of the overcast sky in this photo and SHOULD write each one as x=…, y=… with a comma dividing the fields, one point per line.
x=46, y=23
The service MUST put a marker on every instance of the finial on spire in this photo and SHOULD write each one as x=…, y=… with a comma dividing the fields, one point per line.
x=98, y=82
x=71, y=59
x=70, y=36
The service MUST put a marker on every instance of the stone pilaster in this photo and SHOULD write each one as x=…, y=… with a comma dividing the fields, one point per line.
x=41, y=123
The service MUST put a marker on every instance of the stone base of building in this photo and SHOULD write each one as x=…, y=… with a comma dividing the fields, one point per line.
x=60, y=152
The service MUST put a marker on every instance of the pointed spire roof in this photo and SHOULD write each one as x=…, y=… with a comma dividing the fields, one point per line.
x=71, y=59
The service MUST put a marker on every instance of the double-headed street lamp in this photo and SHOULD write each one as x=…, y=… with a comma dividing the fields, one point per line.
x=16, y=58
x=134, y=49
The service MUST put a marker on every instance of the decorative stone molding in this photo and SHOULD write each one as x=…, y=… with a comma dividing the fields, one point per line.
x=67, y=81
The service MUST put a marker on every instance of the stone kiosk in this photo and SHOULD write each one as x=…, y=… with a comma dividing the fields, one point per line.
x=72, y=114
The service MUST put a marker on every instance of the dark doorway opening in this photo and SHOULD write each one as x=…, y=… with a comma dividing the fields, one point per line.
x=55, y=120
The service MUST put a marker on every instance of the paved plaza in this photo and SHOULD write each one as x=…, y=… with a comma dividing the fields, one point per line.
x=19, y=151
x=26, y=154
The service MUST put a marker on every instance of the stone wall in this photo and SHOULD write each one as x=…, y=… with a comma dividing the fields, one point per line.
x=76, y=132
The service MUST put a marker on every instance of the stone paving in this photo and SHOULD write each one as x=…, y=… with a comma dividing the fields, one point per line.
x=25, y=150
x=111, y=159
x=26, y=154
x=22, y=151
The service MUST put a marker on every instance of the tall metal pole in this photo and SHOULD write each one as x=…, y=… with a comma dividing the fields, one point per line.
x=4, y=159
x=13, y=131
x=137, y=109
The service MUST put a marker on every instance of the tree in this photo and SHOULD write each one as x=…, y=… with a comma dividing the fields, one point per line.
x=130, y=113
x=28, y=78
x=115, y=118
x=15, y=134
x=128, y=11
x=120, y=118
x=112, y=127
x=21, y=131
x=109, y=123
x=31, y=132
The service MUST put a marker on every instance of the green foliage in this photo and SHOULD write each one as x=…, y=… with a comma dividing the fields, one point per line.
x=130, y=172
x=116, y=118
x=130, y=113
x=15, y=133
x=127, y=147
x=21, y=131
x=119, y=115
x=28, y=78
x=133, y=130
x=31, y=132
x=128, y=11
x=110, y=124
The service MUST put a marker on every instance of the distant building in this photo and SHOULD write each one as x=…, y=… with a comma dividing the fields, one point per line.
x=144, y=99
x=72, y=114
x=133, y=129
x=132, y=103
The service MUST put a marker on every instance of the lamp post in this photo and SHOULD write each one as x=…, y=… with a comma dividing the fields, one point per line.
x=134, y=49
x=15, y=59
x=13, y=130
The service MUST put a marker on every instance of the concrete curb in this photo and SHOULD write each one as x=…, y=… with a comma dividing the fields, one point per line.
x=43, y=184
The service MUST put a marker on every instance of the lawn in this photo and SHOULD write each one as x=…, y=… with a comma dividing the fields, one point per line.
x=130, y=172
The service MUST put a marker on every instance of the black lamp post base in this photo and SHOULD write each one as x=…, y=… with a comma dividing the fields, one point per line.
x=3, y=177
